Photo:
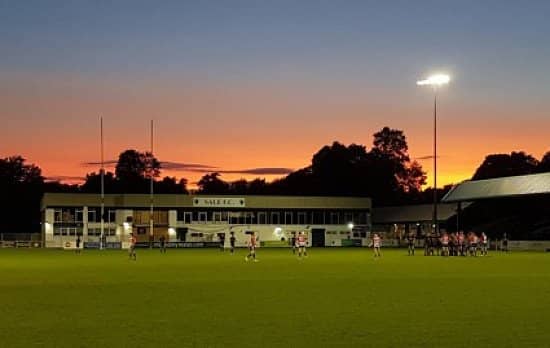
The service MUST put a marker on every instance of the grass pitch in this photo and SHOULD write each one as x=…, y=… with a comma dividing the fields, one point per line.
x=335, y=297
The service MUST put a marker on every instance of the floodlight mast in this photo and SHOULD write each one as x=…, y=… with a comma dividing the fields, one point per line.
x=435, y=81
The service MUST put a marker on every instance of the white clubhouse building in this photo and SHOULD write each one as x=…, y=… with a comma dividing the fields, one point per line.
x=200, y=220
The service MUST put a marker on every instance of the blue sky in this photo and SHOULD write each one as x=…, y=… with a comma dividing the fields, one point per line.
x=300, y=53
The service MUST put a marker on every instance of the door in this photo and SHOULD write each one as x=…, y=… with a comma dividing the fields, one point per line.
x=318, y=237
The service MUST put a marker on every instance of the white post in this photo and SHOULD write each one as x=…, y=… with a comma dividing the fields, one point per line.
x=102, y=173
x=151, y=197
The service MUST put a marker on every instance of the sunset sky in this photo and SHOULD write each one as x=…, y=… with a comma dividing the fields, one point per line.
x=251, y=87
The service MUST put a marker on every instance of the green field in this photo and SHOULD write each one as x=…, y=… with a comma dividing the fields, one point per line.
x=205, y=298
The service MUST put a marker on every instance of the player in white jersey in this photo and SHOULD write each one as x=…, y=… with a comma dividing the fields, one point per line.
x=484, y=244
x=302, y=243
x=376, y=244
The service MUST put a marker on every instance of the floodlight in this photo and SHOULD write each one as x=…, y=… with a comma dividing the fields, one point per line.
x=435, y=80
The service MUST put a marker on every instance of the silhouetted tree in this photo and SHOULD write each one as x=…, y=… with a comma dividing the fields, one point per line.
x=392, y=144
x=212, y=184
x=299, y=183
x=14, y=171
x=258, y=187
x=239, y=187
x=501, y=165
x=21, y=187
x=171, y=185
x=92, y=184
x=133, y=164
x=334, y=168
x=385, y=174
x=134, y=169
x=544, y=164
x=414, y=179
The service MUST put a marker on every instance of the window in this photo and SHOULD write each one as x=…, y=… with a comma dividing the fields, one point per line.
x=79, y=215
x=262, y=218
x=288, y=218
x=302, y=218
x=249, y=218
x=180, y=214
x=348, y=217
x=217, y=217
x=111, y=216
x=58, y=215
x=318, y=217
x=93, y=215
x=202, y=217
x=68, y=215
x=67, y=231
x=109, y=231
x=275, y=218
x=334, y=219
x=94, y=231
x=360, y=218
x=187, y=217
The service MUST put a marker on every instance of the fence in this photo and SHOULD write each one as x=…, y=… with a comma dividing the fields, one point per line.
x=20, y=240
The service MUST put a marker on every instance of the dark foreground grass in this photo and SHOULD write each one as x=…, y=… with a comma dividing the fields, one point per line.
x=204, y=298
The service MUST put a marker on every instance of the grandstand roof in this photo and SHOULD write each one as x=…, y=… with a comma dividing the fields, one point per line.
x=412, y=213
x=511, y=186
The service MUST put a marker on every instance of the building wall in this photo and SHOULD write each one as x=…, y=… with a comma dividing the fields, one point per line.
x=273, y=234
x=203, y=218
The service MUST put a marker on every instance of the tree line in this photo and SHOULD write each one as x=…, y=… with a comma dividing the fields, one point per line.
x=384, y=172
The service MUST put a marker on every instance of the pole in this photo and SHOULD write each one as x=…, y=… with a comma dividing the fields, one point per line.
x=102, y=174
x=434, y=217
x=151, y=197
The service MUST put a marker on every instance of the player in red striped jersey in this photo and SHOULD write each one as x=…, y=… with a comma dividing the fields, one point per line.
x=376, y=244
x=132, y=249
x=252, y=243
x=461, y=240
x=445, y=244
x=302, y=243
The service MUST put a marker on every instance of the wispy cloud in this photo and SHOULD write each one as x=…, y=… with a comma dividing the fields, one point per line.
x=164, y=165
x=185, y=166
x=65, y=178
x=204, y=168
x=259, y=171
x=426, y=157
x=250, y=171
x=108, y=163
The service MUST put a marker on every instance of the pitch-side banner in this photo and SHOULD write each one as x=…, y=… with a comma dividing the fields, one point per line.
x=206, y=202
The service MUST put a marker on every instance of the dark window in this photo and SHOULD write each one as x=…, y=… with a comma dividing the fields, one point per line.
x=262, y=218
x=318, y=218
x=275, y=218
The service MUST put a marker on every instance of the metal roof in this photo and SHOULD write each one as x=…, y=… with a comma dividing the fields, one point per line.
x=183, y=200
x=412, y=213
x=510, y=186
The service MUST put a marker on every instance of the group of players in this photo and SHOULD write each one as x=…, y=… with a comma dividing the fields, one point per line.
x=446, y=244
x=451, y=244
x=298, y=243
